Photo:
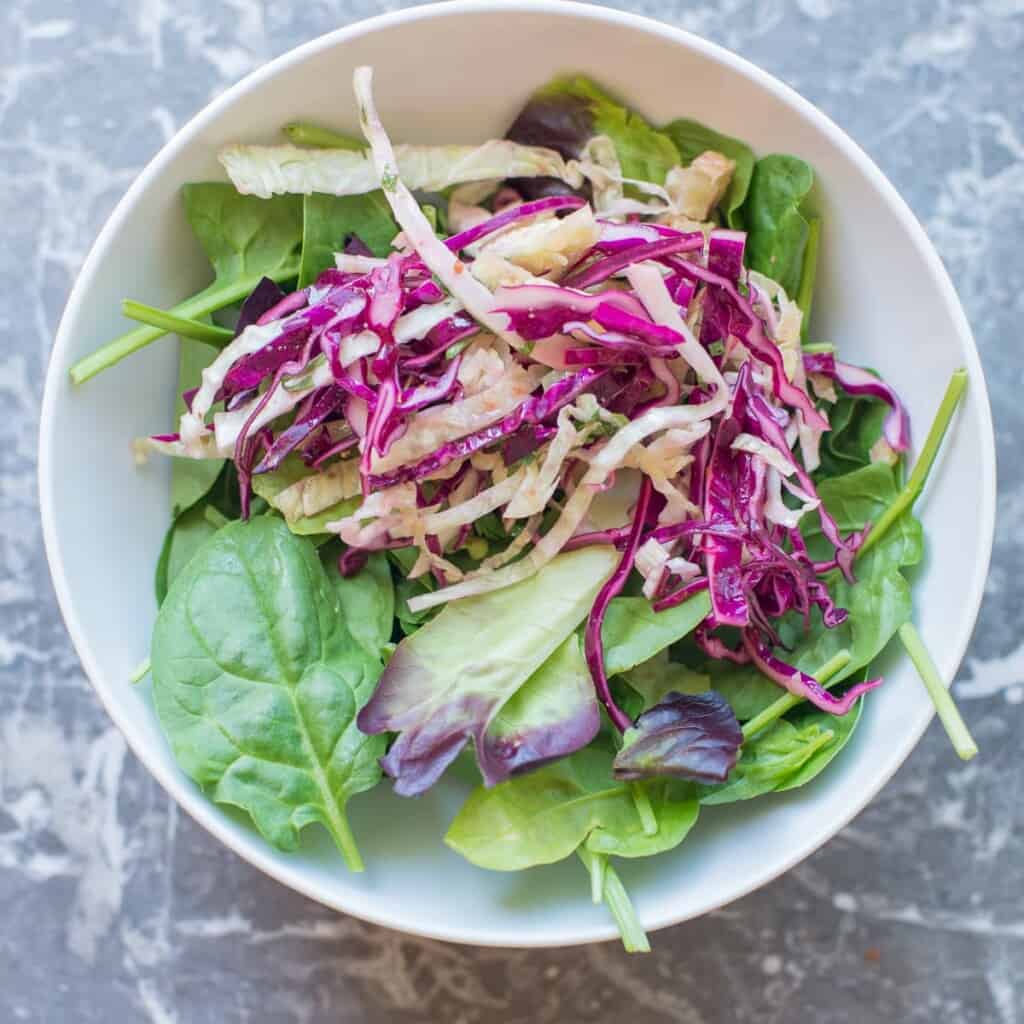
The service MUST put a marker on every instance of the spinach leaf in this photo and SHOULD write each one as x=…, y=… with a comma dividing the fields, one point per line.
x=777, y=756
x=185, y=536
x=842, y=726
x=568, y=112
x=659, y=676
x=191, y=478
x=777, y=230
x=856, y=427
x=545, y=816
x=367, y=603
x=692, y=138
x=257, y=681
x=633, y=632
x=245, y=238
x=329, y=220
x=447, y=682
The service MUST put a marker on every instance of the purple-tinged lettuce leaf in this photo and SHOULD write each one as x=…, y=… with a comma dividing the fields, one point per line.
x=448, y=681
x=689, y=736
x=553, y=714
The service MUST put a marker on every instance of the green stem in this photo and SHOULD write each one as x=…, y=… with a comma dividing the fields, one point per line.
x=634, y=939
x=596, y=865
x=949, y=715
x=179, y=325
x=913, y=487
x=819, y=347
x=808, y=274
x=642, y=801
x=141, y=671
x=215, y=517
x=217, y=296
x=779, y=707
x=305, y=133
x=346, y=841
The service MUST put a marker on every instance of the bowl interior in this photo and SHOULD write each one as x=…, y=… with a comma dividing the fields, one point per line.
x=883, y=297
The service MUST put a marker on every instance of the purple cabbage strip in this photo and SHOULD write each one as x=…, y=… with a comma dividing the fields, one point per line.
x=602, y=269
x=592, y=644
x=800, y=684
x=444, y=388
x=725, y=253
x=761, y=347
x=509, y=215
x=532, y=410
x=324, y=403
x=538, y=311
x=684, y=593
x=689, y=736
x=622, y=340
x=857, y=381
x=288, y=305
x=352, y=561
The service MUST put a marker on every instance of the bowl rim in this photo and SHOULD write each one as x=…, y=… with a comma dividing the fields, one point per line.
x=256, y=852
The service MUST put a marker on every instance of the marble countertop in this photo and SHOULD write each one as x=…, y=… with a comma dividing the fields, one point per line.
x=117, y=908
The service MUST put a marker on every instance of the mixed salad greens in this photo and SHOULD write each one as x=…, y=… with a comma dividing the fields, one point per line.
x=520, y=452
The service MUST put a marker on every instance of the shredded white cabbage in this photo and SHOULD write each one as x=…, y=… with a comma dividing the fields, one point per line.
x=266, y=171
x=696, y=190
x=440, y=260
x=319, y=491
x=767, y=453
x=544, y=246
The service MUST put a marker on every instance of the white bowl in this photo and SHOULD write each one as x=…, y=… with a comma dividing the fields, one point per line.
x=459, y=72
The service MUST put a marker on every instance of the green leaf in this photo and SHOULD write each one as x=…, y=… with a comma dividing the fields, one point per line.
x=545, y=816
x=367, y=603
x=777, y=230
x=659, y=676
x=191, y=478
x=185, y=536
x=777, y=757
x=245, y=239
x=257, y=681
x=645, y=153
x=329, y=220
x=842, y=726
x=634, y=632
x=692, y=138
x=856, y=423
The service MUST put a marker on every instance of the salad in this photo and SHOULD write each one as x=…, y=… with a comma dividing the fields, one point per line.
x=519, y=460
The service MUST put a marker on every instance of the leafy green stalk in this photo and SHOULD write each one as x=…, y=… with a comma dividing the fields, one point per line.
x=634, y=938
x=823, y=347
x=808, y=273
x=306, y=133
x=776, y=710
x=217, y=296
x=956, y=729
x=915, y=485
x=648, y=819
x=179, y=325
x=596, y=863
x=141, y=671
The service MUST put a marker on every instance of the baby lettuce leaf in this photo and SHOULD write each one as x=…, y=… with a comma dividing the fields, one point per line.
x=692, y=138
x=329, y=220
x=367, y=603
x=688, y=736
x=545, y=816
x=655, y=678
x=245, y=238
x=633, y=632
x=552, y=714
x=191, y=478
x=777, y=230
x=774, y=757
x=447, y=682
x=568, y=112
x=257, y=681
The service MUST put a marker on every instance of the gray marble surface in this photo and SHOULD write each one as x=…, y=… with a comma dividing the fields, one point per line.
x=115, y=907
